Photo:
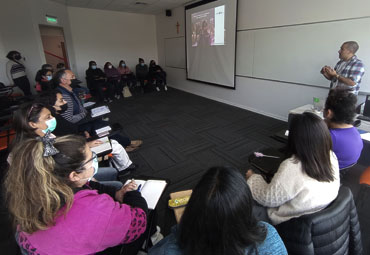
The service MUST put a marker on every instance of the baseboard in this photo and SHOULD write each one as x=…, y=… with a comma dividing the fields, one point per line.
x=234, y=104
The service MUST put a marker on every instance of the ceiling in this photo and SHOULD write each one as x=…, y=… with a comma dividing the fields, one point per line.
x=135, y=6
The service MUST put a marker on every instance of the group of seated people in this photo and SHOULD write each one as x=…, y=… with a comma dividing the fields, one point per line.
x=108, y=84
x=53, y=193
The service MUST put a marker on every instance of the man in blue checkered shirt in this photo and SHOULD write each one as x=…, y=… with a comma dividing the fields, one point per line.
x=348, y=71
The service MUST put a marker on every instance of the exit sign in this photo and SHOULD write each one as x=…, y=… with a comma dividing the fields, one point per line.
x=52, y=20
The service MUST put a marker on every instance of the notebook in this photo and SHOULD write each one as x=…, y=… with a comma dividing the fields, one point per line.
x=99, y=111
x=105, y=146
x=151, y=190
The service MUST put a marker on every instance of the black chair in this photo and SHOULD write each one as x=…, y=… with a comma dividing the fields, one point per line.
x=333, y=230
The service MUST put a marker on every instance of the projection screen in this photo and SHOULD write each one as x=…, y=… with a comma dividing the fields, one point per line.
x=210, y=42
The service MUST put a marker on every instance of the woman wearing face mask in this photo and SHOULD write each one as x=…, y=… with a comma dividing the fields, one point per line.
x=16, y=72
x=142, y=74
x=156, y=72
x=45, y=82
x=113, y=77
x=58, y=210
x=35, y=120
x=55, y=103
x=127, y=76
x=96, y=82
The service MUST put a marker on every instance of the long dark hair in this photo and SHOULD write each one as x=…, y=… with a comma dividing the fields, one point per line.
x=310, y=141
x=218, y=219
x=29, y=112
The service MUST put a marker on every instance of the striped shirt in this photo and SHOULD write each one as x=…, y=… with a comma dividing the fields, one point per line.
x=352, y=69
x=15, y=70
x=75, y=111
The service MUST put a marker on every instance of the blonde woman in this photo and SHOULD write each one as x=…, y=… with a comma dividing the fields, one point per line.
x=58, y=210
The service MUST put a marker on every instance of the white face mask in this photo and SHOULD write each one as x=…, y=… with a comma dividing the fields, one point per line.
x=110, y=67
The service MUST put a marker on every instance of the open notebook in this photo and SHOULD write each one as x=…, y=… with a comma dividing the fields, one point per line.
x=105, y=146
x=151, y=190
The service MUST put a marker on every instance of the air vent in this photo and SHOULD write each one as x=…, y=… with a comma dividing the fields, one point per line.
x=141, y=3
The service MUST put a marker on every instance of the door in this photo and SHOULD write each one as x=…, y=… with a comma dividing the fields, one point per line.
x=53, y=43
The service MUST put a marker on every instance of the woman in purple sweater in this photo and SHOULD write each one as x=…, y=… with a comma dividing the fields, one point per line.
x=113, y=77
x=339, y=113
x=59, y=210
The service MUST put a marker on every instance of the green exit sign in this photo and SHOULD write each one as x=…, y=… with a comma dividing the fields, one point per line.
x=52, y=20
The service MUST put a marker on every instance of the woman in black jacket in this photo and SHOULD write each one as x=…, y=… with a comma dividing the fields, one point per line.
x=97, y=83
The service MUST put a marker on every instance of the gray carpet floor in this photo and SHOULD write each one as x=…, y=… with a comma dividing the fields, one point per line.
x=183, y=136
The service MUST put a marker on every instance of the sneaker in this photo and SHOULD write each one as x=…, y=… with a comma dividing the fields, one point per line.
x=157, y=236
x=165, y=88
x=118, y=96
x=110, y=100
x=157, y=89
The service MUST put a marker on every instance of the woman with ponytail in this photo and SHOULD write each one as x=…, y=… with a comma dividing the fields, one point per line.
x=58, y=210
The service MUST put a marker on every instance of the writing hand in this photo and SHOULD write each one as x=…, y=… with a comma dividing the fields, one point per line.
x=128, y=187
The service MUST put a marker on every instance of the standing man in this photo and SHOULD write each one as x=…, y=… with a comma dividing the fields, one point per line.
x=348, y=71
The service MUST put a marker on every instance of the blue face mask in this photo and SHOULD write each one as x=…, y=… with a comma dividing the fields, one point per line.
x=95, y=165
x=142, y=64
x=49, y=77
x=93, y=67
x=52, y=124
x=123, y=65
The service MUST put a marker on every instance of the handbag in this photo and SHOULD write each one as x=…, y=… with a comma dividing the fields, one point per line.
x=126, y=92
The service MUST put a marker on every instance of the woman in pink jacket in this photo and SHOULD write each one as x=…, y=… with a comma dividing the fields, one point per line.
x=56, y=206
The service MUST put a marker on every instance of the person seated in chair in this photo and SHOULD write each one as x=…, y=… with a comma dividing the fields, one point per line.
x=113, y=77
x=58, y=209
x=142, y=74
x=34, y=120
x=218, y=220
x=55, y=103
x=43, y=67
x=127, y=76
x=156, y=73
x=339, y=114
x=76, y=113
x=307, y=181
x=45, y=83
x=96, y=82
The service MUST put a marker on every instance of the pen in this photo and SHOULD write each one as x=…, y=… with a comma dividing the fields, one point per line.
x=139, y=188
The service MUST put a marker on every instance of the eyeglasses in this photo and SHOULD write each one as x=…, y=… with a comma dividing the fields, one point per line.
x=94, y=157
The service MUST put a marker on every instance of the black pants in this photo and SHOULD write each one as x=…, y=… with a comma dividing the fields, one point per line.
x=91, y=126
x=23, y=84
x=97, y=90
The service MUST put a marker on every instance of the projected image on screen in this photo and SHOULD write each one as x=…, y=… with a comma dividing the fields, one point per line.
x=208, y=27
x=210, y=42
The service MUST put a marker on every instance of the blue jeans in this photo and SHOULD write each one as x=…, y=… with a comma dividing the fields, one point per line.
x=108, y=176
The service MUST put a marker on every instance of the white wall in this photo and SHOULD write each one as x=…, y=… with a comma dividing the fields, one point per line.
x=267, y=97
x=111, y=36
x=19, y=30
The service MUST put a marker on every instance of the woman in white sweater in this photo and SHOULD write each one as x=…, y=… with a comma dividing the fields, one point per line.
x=308, y=180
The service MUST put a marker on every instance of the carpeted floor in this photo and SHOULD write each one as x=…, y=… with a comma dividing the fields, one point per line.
x=185, y=134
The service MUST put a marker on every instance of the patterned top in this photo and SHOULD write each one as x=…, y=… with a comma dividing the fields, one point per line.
x=75, y=111
x=15, y=69
x=353, y=69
